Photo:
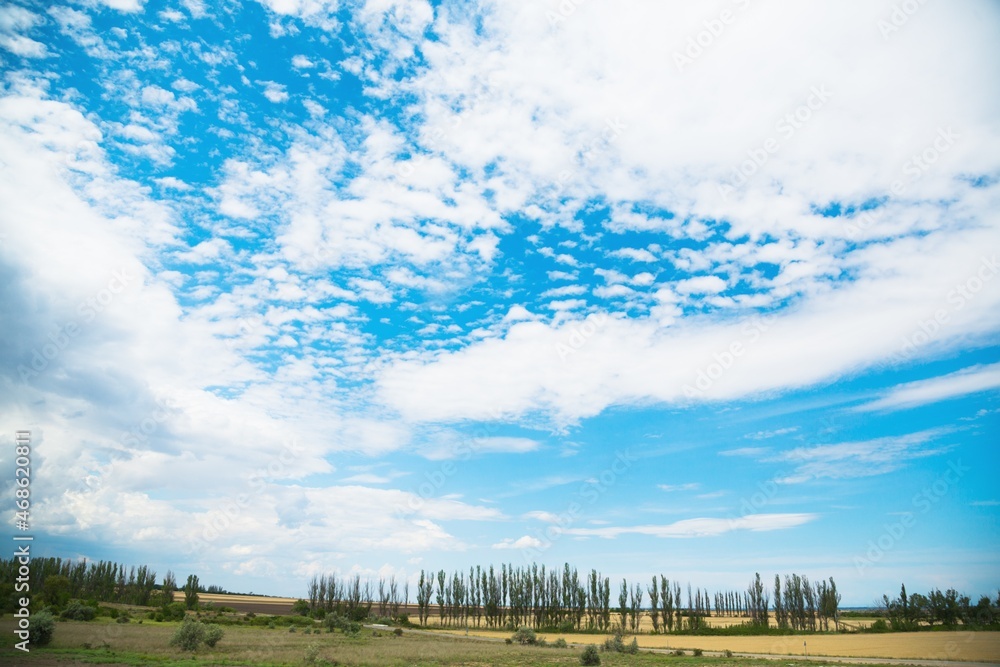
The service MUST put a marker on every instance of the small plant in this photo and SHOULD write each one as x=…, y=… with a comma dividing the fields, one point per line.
x=43, y=626
x=291, y=628
x=590, y=656
x=213, y=633
x=525, y=635
x=677, y=652
x=633, y=647
x=560, y=643
x=398, y=632
x=614, y=644
x=697, y=652
x=728, y=653
x=123, y=617
x=312, y=653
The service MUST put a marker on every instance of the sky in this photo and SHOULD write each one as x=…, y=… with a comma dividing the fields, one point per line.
x=293, y=287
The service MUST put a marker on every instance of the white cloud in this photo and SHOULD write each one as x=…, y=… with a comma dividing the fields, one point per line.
x=275, y=92
x=525, y=542
x=859, y=459
x=691, y=486
x=700, y=527
x=450, y=445
x=701, y=285
x=15, y=20
x=922, y=392
x=302, y=62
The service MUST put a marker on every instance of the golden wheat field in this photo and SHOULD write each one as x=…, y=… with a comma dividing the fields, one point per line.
x=965, y=646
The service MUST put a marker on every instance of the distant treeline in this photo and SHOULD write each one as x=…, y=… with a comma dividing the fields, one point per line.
x=563, y=600
x=53, y=582
x=948, y=608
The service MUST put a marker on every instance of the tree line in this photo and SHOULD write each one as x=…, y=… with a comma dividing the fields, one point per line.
x=55, y=581
x=566, y=600
x=948, y=608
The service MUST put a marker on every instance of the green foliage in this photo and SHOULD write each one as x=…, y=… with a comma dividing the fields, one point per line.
x=398, y=632
x=56, y=590
x=614, y=644
x=189, y=636
x=77, y=611
x=213, y=633
x=124, y=617
x=175, y=611
x=879, y=626
x=191, y=592
x=300, y=607
x=43, y=626
x=312, y=653
x=524, y=635
x=590, y=656
x=560, y=643
x=633, y=647
x=697, y=652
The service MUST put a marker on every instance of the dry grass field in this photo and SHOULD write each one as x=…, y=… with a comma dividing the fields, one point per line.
x=964, y=646
x=78, y=643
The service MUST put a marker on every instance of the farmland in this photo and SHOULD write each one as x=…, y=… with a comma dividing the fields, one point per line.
x=101, y=642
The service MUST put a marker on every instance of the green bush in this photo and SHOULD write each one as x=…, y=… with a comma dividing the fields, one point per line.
x=213, y=633
x=879, y=626
x=189, y=636
x=524, y=635
x=590, y=656
x=175, y=611
x=301, y=607
x=123, y=617
x=728, y=653
x=697, y=652
x=560, y=643
x=398, y=632
x=633, y=647
x=312, y=653
x=614, y=644
x=77, y=611
x=43, y=626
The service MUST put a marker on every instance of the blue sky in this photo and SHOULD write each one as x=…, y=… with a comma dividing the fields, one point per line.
x=301, y=286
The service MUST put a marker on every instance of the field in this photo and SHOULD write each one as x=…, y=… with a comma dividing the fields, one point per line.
x=79, y=643
x=964, y=646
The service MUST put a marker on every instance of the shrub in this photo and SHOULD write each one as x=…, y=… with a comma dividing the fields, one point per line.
x=291, y=628
x=697, y=652
x=398, y=632
x=560, y=643
x=633, y=647
x=312, y=653
x=213, y=633
x=590, y=656
x=728, y=653
x=524, y=635
x=77, y=611
x=614, y=644
x=43, y=626
x=301, y=607
x=124, y=617
x=175, y=611
x=677, y=652
x=189, y=636
x=879, y=626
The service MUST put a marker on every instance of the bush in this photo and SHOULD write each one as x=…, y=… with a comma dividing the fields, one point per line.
x=590, y=656
x=213, y=633
x=43, y=626
x=697, y=652
x=524, y=635
x=614, y=644
x=77, y=611
x=312, y=653
x=175, y=611
x=728, y=653
x=398, y=632
x=633, y=647
x=879, y=626
x=677, y=652
x=560, y=643
x=123, y=617
x=301, y=607
x=189, y=636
